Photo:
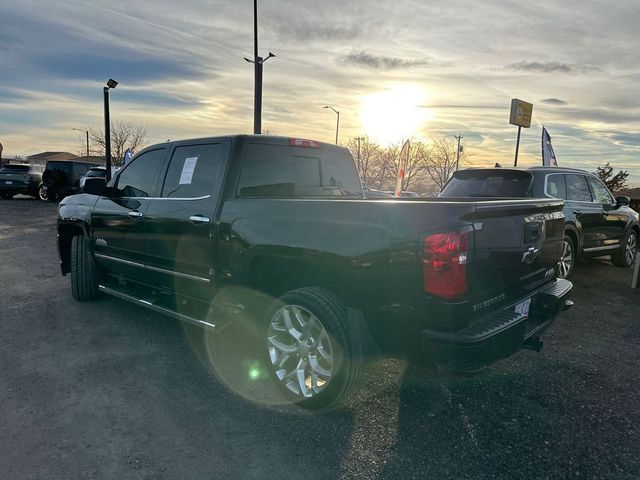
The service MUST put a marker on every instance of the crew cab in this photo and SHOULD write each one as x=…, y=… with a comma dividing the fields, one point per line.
x=277, y=230
x=596, y=223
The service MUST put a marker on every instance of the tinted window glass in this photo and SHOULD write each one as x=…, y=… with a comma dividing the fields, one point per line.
x=488, y=183
x=14, y=169
x=64, y=167
x=192, y=171
x=289, y=171
x=137, y=179
x=556, y=186
x=577, y=188
x=600, y=192
x=80, y=169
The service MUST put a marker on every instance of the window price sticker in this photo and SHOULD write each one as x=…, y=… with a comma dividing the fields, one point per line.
x=187, y=170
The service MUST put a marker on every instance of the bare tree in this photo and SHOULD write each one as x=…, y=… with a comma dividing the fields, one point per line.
x=616, y=182
x=440, y=162
x=369, y=161
x=124, y=135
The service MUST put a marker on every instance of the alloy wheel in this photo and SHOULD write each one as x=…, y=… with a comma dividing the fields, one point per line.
x=566, y=261
x=630, y=248
x=300, y=351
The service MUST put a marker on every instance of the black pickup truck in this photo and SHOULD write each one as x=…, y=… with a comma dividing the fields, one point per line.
x=278, y=230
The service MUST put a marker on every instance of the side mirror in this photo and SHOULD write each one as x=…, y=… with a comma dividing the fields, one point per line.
x=95, y=185
x=622, y=202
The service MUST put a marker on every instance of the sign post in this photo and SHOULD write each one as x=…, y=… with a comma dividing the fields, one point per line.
x=521, y=112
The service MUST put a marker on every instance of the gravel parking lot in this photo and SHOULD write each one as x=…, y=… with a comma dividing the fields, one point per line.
x=109, y=390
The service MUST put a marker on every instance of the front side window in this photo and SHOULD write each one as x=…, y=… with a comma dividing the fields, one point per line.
x=138, y=178
x=577, y=188
x=192, y=171
x=600, y=192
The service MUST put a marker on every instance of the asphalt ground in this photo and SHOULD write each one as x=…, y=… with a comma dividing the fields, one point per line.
x=106, y=389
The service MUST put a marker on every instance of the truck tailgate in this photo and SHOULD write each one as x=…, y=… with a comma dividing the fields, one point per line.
x=517, y=244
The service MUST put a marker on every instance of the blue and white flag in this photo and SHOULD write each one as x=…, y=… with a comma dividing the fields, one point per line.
x=128, y=155
x=548, y=155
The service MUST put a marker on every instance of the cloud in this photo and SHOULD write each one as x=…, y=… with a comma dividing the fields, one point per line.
x=307, y=31
x=627, y=139
x=87, y=66
x=550, y=67
x=375, y=62
x=553, y=101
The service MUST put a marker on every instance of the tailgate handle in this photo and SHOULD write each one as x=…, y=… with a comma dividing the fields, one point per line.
x=199, y=219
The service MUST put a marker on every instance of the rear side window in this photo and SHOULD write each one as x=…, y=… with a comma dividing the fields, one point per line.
x=281, y=171
x=488, y=183
x=556, y=186
x=14, y=169
x=64, y=167
x=137, y=178
x=577, y=188
x=192, y=171
x=80, y=169
x=600, y=192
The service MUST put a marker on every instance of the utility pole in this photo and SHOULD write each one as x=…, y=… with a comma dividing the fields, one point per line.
x=458, y=137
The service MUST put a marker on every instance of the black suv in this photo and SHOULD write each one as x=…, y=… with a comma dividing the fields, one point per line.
x=62, y=178
x=16, y=178
x=596, y=223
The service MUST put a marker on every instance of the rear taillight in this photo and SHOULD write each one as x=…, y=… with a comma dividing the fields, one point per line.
x=444, y=259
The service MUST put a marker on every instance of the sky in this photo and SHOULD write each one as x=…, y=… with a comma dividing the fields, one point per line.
x=394, y=69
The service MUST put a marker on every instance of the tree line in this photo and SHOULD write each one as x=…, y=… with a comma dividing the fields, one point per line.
x=429, y=165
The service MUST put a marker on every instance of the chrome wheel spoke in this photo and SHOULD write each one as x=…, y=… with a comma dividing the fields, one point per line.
x=293, y=331
x=283, y=347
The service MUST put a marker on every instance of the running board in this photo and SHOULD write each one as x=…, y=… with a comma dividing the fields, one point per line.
x=156, y=308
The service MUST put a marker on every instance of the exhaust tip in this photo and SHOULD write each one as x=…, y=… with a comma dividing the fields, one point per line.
x=567, y=305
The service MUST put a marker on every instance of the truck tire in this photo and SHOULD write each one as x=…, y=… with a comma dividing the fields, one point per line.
x=310, y=356
x=626, y=255
x=84, y=275
x=568, y=259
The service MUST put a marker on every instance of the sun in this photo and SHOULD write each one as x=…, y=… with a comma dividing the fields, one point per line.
x=394, y=114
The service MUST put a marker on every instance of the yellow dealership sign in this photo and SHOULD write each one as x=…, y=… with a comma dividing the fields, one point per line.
x=520, y=113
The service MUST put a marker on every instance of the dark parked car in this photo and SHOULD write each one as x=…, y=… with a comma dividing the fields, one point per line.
x=277, y=231
x=61, y=178
x=16, y=178
x=597, y=224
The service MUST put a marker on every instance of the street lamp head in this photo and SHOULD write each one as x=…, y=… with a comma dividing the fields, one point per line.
x=247, y=60
x=112, y=83
x=262, y=60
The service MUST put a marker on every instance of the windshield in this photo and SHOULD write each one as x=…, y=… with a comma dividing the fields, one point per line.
x=488, y=183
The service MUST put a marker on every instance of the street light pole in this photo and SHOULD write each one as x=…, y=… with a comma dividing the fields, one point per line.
x=458, y=137
x=87, y=133
x=107, y=127
x=258, y=63
x=337, y=120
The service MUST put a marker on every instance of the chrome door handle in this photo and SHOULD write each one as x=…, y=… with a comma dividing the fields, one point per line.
x=199, y=219
x=135, y=214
